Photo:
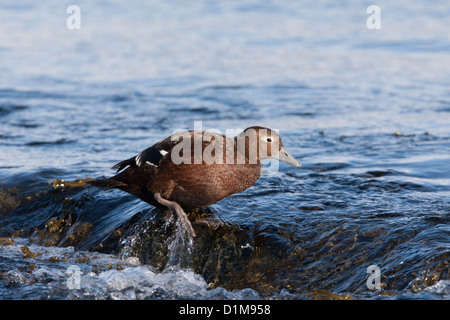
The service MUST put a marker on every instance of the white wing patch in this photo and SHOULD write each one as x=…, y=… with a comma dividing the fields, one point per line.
x=152, y=164
x=150, y=156
x=138, y=160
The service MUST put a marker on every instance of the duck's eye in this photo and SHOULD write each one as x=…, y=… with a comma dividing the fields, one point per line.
x=269, y=140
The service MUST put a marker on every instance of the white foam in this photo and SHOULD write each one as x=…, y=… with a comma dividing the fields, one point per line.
x=442, y=287
x=101, y=276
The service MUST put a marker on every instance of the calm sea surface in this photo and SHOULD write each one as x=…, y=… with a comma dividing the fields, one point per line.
x=367, y=113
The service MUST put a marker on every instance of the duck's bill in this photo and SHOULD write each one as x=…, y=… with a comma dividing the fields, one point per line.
x=286, y=157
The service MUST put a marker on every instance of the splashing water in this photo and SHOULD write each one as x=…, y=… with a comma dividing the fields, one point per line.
x=180, y=246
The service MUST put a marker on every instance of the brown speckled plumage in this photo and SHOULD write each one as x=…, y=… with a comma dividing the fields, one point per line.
x=197, y=184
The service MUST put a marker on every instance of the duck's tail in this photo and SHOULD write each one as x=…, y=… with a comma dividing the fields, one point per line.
x=134, y=180
x=121, y=180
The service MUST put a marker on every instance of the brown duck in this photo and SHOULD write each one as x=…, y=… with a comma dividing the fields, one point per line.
x=194, y=169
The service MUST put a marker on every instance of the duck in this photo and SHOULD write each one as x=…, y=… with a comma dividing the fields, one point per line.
x=194, y=169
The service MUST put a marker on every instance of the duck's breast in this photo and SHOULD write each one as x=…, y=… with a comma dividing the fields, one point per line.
x=200, y=185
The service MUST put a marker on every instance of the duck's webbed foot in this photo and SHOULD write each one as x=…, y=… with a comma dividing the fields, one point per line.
x=182, y=216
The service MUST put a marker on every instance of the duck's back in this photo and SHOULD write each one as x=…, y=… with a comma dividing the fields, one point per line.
x=199, y=185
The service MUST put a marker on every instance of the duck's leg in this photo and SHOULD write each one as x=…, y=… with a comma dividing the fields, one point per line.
x=178, y=210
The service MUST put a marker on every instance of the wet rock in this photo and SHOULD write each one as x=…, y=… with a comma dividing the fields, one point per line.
x=65, y=229
x=221, y=253
x=224, y=255
x=328, y=295
x=62, y=231
x=147, y=240
x=26, y=251
x=6, y=242
x=61, y=183
x=9, y=200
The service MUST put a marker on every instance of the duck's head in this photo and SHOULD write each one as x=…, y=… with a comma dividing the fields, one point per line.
x=268, y=144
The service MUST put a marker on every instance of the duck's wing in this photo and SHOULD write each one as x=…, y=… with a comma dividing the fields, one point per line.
x=150, y=156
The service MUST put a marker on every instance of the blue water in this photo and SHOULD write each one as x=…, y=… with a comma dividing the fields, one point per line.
x=367, y=113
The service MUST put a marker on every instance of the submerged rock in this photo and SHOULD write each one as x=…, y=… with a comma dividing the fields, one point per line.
x=9, y=200
x=229, y=256
x=315, y=257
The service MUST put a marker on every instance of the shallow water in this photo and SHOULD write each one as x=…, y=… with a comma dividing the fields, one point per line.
x=367, y=113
